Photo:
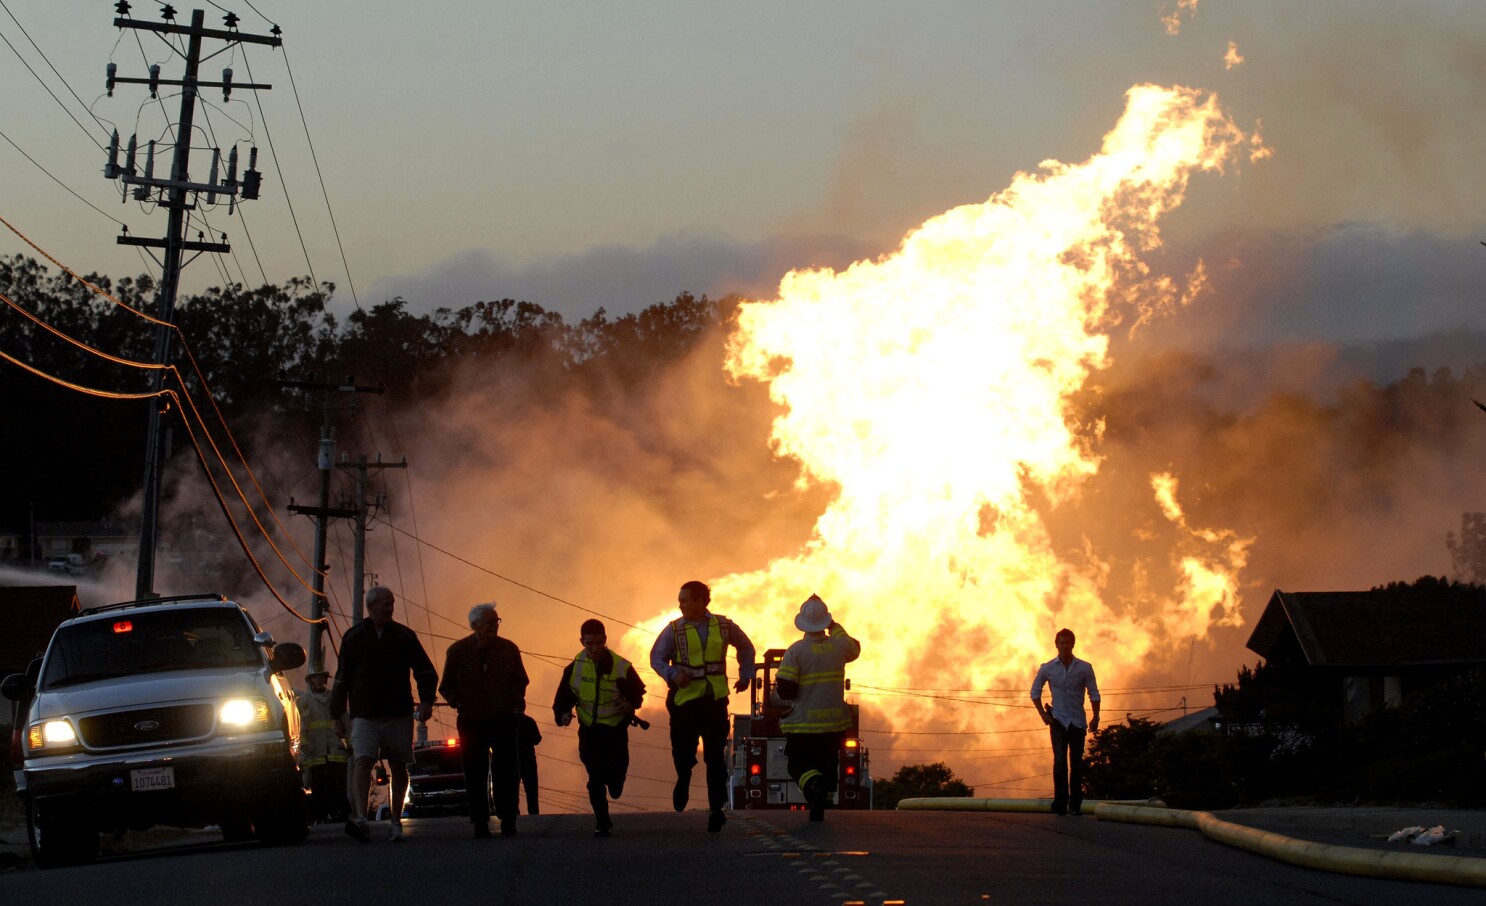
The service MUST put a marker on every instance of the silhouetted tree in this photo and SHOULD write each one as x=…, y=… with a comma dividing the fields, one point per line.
x=913, y=781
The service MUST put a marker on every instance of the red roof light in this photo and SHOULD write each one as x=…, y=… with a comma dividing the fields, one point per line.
x=123, y=626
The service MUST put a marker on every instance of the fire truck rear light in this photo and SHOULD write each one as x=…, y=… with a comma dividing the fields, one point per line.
x=754, y=769
x=451, y=743
x=852, y=743
x=123, y=626
x=850, y=770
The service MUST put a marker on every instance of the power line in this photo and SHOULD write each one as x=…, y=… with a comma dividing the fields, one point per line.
x=43, y=83
x=283, y=183
x=518, y=584
x=59, y=182
x=316, y=159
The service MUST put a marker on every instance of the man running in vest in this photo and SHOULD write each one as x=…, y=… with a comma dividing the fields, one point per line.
x=812, y=676
x=606, y=691
x=322, y=757
x=485, y=681
x=1069, y=678
x=690, y=655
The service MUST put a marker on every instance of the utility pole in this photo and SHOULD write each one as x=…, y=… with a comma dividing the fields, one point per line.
x=362, y=467
x=324, y=512
x=179, y=195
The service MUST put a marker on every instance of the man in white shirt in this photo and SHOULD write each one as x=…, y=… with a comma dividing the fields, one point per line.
x=1069, y=678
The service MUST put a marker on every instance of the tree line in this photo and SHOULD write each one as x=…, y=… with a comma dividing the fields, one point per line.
x=70, y=456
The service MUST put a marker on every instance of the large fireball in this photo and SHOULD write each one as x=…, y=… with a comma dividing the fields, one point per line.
x=931, y=388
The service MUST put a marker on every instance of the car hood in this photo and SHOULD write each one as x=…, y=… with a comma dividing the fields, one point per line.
x=151, y=689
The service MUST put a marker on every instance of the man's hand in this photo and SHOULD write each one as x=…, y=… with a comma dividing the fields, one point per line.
x=741, y=684
x=683, y=679
x=342, y=727
x=564, y=719
x=1094, y=726
x=424, y=710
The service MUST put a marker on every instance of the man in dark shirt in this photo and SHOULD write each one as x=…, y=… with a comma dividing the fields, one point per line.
x=376, y=657
x=606, y=691
x=485, y=681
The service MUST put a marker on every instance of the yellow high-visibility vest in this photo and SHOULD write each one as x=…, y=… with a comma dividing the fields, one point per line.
x=599, y=698
x=701, y=661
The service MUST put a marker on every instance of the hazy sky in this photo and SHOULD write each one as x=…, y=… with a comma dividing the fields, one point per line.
x=590, y=154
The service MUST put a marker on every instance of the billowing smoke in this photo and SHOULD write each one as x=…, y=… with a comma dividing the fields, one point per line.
x=1189, y=480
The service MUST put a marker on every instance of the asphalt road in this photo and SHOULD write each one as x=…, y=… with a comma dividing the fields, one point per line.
x=759, y=858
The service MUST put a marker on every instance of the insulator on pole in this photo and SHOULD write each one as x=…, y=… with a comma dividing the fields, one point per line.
x=142, y=193
x=113, y=70
x=154, y=79
x=111, y=169
x=130, y=155
x=232, y=180
x=226, y=84
x=211, y=197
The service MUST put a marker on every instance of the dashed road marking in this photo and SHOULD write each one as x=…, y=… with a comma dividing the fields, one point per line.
x=812, y=863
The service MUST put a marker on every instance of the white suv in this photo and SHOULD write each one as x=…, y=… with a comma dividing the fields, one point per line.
x=163, y=711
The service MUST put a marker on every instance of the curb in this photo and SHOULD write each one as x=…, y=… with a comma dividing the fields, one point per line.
x=1040, y=806
x=1462, y=871
x=1371, y=863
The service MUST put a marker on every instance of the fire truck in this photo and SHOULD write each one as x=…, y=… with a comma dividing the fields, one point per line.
x=760, y=770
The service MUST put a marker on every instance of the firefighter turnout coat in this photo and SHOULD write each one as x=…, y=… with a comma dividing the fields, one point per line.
x=817, y=663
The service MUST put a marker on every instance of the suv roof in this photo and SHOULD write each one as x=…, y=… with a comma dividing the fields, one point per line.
x=207, y=598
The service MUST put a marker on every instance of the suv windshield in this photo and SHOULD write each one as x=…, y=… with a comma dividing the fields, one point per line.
x=131, y=642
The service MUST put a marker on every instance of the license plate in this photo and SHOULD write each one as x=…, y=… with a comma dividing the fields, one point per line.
x=147, y=780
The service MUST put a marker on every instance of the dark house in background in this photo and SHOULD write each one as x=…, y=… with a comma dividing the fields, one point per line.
x=28, y=615
x=1374, y=647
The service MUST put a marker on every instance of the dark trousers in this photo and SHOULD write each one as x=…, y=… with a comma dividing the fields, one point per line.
x=327, y=784
x=1068, y=766
x=707, y=719
x=528, y=775
x=489, y=750
x=813, y=755
x=604, y=751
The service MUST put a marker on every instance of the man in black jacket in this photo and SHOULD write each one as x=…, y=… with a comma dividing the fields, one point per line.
x=376, y=657
x=606, y=692
x=485, y=681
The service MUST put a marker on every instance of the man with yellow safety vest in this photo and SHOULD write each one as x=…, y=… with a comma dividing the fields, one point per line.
x=812, y=677
x=690, y=655
x=322, y=754
x=606, y=692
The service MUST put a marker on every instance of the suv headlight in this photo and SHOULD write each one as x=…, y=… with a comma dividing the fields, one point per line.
x=244, y=712
x=50, y=736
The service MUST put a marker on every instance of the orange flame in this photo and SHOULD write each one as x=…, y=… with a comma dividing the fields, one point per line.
x=931, y=388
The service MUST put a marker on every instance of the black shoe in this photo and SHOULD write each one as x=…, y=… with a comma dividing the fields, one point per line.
x=603, y=828
x=715, y=820
x=482, y=831
x=358, y=831
x=817, y=812
x=681, y=793
x=1059, y=809
x=1076, y=811
x=508, y=827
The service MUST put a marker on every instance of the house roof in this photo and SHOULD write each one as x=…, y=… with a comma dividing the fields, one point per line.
x=29, y=614
x=1198, y=721
x=1375, y=629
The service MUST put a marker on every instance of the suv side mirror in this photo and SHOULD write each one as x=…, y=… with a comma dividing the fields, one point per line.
x=16, y=687
x=287, y=656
